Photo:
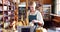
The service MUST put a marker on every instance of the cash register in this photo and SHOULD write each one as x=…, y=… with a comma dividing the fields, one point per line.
x=25, y=28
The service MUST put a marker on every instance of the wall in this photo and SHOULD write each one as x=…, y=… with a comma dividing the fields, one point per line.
x=44, y=1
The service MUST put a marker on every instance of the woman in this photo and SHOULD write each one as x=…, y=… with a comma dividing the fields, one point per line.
x=34, y=15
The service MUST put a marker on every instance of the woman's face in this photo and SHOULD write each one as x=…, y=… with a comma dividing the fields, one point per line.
x=32, y=8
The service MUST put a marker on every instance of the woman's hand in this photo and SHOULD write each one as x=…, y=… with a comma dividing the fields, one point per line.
x=36, y=21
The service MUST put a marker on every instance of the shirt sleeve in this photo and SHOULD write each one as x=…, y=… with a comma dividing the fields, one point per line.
x=40, y=18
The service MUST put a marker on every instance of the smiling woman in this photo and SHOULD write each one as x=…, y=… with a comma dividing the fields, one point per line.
x=34, y=15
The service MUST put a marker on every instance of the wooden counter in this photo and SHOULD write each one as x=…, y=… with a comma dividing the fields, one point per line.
x=56, y=20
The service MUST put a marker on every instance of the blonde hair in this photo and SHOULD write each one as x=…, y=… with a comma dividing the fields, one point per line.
x=32, y=3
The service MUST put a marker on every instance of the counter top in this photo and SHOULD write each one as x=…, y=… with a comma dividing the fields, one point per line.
x=55, y=15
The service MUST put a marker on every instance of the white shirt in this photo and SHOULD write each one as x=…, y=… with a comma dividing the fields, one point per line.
x=39, y=16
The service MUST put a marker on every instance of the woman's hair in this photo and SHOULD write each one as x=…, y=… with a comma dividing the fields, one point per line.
x=32, y=3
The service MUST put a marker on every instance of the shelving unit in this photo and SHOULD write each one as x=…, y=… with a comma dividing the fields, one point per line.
x=7, y=12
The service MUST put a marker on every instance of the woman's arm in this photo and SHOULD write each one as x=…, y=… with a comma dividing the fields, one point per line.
x=40, y=18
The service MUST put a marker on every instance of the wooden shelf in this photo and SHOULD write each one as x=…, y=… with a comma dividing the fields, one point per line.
x=4, y=4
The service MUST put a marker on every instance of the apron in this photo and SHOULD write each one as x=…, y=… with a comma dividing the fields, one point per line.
x=33, y=17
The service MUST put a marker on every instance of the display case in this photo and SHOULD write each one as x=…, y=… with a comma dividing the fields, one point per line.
x=47, y=12
x=22, y=12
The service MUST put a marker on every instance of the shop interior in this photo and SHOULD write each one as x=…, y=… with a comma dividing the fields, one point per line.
x=14, y=16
